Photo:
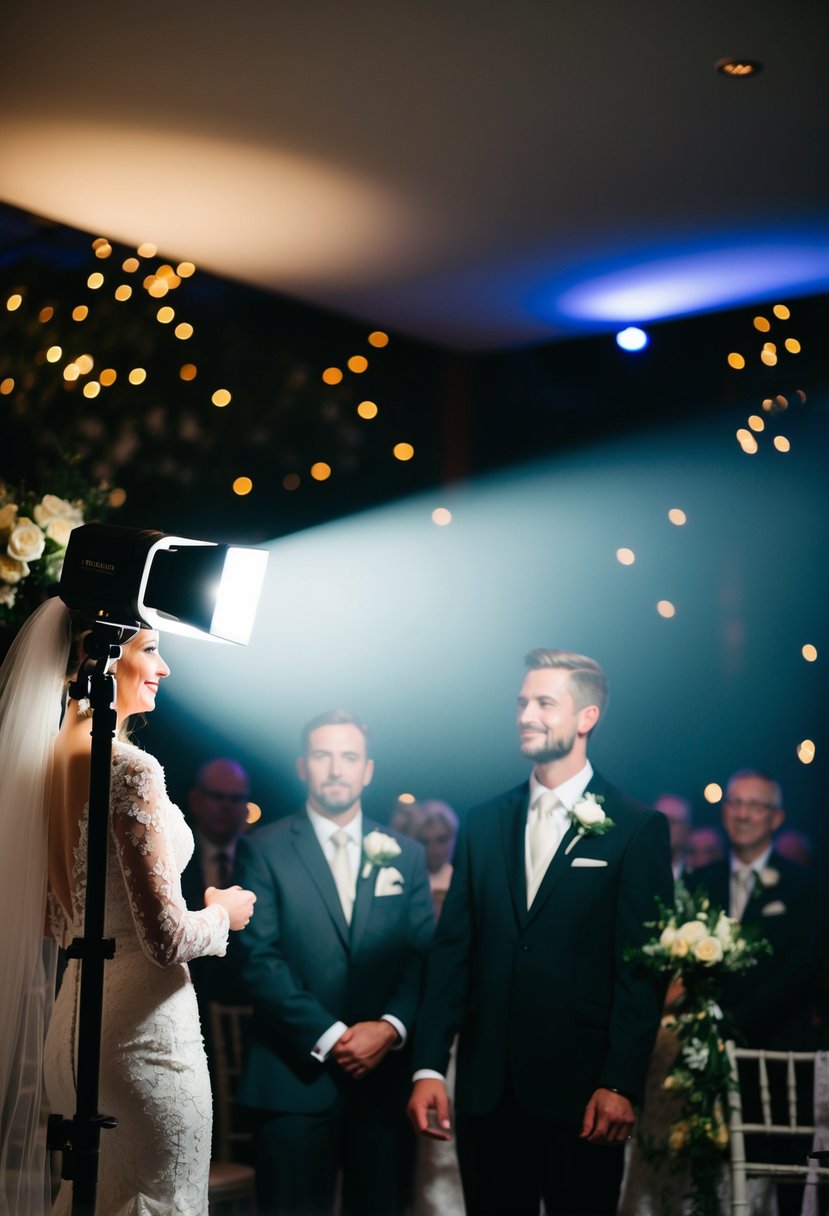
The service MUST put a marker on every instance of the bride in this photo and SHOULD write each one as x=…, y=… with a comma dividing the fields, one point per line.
x=153, y=1068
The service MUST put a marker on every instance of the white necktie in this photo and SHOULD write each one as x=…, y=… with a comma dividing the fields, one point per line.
x=343, y=874
x=544, y=832
x=742, y=882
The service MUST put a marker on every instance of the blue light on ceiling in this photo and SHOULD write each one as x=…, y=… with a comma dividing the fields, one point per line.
x=632, y=338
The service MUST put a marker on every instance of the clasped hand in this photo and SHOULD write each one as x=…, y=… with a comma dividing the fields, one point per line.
x=237, y=902
x=363, y=1046
x=608, y=1118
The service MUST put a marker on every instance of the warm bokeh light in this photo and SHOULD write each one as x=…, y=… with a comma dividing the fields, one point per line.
x=291, y=481
x=781, y=443
x=254, y=813
x=736, y=361
x=117, y=497
x=188, y=371
x=103, y=251
x=165, y=314
x=763, y=324
x=320, y=471
x=407, y=798
x=781, y=312
x=137, y=376
x=756, y=423
x=184, y=270
x=14, y=301
x=403, y=451
x=242, y=486
x=806, y=751
x=91, y=389
x=441, y=516
x=781, y=402
x=332, y=375
x=769, y=358
x=747, y=441
x=123, y=292
x=46, y=314
x=158, y=288
x=80, y=313
x=95, y=280
x=147, y=250
x=665, y=608
x=184, y=330
x=772, y=346
x=677, y=516
x=367, y=409
x=85, y=364
x=792, y=346
x=378, y=338
x=71, y=371
x=809, y=652
x=53, y=354
x=7, y=386
x=712, y=792
x=130, y=265
x=108, y=376
x=357, y=363
x=625, y=556
x=221, y=398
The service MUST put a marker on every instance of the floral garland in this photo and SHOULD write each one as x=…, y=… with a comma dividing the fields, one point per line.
x=694, y=945
x=34, y=533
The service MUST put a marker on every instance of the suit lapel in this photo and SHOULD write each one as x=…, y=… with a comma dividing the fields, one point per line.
x=364, y=894
x=513, y=833
x=312, y=857
x=562, y=858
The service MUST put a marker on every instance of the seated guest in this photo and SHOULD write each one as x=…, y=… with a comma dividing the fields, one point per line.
x=704, y=846
x=437, y=831
x=677, y=811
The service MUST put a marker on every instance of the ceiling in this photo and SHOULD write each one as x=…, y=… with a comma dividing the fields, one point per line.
x=479, y=175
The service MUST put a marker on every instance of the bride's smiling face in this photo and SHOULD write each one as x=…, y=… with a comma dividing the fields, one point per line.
x=138, y=673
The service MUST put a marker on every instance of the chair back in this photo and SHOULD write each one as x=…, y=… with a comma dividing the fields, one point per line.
x=227, y=1023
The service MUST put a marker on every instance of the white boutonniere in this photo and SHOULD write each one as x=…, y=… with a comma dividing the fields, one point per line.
x=378, y=850
x=588, y=818
x=768, y=876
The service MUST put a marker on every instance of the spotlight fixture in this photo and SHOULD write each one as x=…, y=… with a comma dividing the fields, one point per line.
x=130, y=577
x=738, y=68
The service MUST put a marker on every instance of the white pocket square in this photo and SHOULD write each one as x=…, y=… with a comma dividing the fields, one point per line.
x=775, y=908
x=389, y=881
x=587, y=861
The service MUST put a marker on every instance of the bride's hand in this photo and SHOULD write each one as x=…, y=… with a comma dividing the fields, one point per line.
x=237, y=902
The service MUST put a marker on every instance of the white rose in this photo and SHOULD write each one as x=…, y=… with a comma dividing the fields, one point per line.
x=708, y=951
x=769, y=877
x=379, y=847
x=588, y=812
x=26, y=542
x=11, y=570
x=7, y=595
x=52, y=507
x=723, y=930
x=59, y=529
x=692, y=931
x=679, y=947
x=8, y=518
x=667, y=937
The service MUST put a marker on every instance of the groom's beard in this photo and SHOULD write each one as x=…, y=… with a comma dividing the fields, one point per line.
x=548, y=750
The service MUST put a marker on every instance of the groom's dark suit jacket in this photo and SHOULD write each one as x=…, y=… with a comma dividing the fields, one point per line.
x=305, y=968
x=544, y=999
x=769, y=1005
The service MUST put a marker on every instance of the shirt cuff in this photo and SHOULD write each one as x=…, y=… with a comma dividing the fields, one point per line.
x=326, y=1041
x=428, y=1074
x=398, y=1026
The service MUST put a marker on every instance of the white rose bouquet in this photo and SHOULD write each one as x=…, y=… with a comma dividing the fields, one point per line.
x=695, y=944
x=34, y=533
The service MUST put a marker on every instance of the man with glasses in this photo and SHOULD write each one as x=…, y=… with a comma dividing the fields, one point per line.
x=218, y=804
x=769, y=1004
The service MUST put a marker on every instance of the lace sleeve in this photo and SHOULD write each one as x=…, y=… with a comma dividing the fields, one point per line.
x=167, y=931
x=56, y=919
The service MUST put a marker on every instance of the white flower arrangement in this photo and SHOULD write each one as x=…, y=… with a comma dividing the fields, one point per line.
x=379, y=849
x=34, y=533
x=589, y=818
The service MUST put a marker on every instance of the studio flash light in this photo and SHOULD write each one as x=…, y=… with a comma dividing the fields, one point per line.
x=134, y=577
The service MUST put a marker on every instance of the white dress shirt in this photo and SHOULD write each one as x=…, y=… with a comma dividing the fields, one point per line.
x=759, y=863
x=324, y=829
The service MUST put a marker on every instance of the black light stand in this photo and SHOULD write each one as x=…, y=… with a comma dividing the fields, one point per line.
x=79, y=1138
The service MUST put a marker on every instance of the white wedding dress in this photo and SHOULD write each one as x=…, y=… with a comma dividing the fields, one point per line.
x=153, y=1067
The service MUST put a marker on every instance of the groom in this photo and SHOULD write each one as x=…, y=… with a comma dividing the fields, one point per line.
x=553, y=882
x=333, y=967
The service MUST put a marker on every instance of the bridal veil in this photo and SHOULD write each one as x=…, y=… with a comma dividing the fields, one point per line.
x=31, y=684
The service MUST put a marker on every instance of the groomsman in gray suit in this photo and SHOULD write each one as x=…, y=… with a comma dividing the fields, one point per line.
x=553, y=881
x=333, y=968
